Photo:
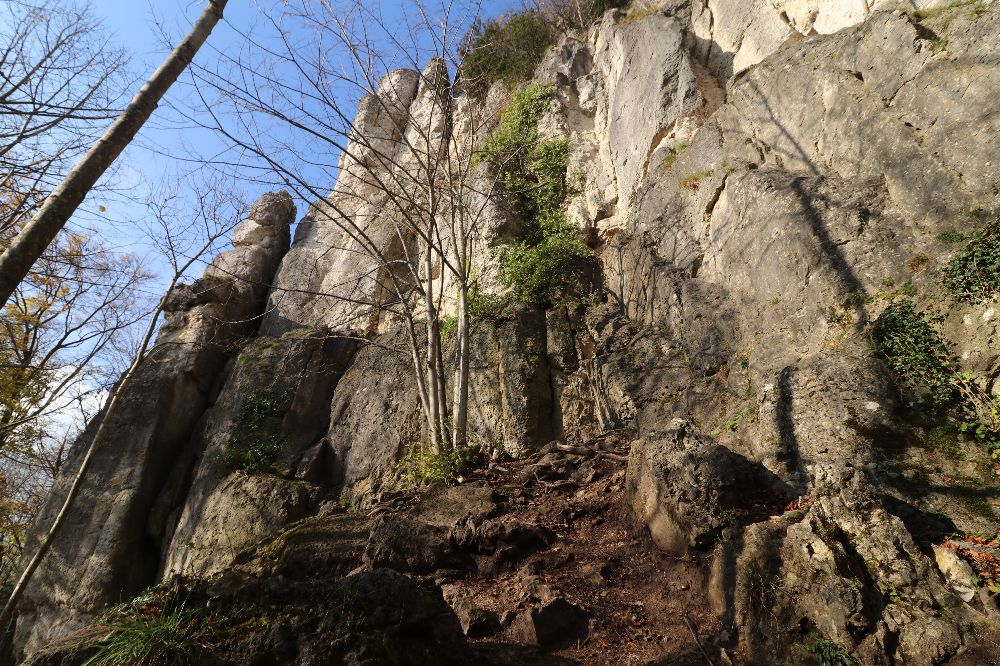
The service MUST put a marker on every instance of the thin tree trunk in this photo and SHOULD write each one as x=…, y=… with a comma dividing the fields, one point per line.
x=443, y=424
x=74, y=489
x=30, y=243
x=418, y=367
x=460, y=404
x=434, y=394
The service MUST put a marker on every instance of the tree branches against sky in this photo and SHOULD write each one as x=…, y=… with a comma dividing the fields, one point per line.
x=178, y=142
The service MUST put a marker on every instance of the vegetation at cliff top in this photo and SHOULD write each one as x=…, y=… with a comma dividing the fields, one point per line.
x=532, y=173
x=505, y=49
x=509, y=48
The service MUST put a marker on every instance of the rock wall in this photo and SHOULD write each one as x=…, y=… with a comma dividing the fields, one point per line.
x=109, y=544
x=758, y=179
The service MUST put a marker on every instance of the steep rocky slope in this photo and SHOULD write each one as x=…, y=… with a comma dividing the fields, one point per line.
x=712, y=426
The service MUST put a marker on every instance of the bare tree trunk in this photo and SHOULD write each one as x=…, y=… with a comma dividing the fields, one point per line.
x=30, y=243
x=460, y=403
x=74, y=489
x=434, y=393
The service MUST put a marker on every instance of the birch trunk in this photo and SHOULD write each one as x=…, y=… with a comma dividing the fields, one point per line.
x=460, y=404
x=30, y=243
x=434, y=395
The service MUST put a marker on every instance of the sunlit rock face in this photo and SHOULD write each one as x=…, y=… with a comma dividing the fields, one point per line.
x=757, y=182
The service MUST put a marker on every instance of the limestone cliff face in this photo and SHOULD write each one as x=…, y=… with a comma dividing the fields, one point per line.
x=757, y=178
x=110, y=544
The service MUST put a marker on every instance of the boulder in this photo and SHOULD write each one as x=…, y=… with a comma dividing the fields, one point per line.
x=476, y=621
x=553, y=624
x=683, y=488
x=957, y=572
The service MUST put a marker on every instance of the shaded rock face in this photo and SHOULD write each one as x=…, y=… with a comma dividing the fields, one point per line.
x=222, y=493
x=758, y=186
x=107, y=547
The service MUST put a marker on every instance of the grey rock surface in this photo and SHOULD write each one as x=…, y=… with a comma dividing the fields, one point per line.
x=760, y=180
x=107, y=548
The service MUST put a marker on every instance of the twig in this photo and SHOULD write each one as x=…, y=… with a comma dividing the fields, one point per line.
x=694, y=634
x=616, y=457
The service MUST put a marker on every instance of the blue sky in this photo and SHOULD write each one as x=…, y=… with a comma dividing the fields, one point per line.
x=138, y=26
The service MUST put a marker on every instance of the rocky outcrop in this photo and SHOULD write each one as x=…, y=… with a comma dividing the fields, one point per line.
x=279, y=418
x=758, y=182
x=108, y=545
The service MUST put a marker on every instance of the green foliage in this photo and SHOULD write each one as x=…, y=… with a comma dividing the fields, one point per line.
x=256, y=441
x=420, y=467
x=539, y=272
x=693, y=180
x=673, y=154
x=479, y=303
x=912, y=349
x=830, y=653
x=169, y=637
x=448, y=325
x=951, y=236
x=973, y=275
x=533, y=174
x=505, y=49
x=905, y=339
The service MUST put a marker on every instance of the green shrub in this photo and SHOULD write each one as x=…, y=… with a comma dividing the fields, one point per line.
x=951, y=236
x=910, y=346
x=973, y=275
x=505, y=49
x=541, y=273
x=448, y=325
x=256, y=441
x=830, y=653
x=164, y=638
x=420, y=467
x=905, y=339
x=481, y=304
x=533, y=174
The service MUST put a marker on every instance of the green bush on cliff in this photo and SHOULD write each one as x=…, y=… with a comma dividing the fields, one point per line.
x=913, y=350
x=906, y=340
x=505, y=49
x=830, y=653
x=973, y=275
x=532, y=173
x=255, y=441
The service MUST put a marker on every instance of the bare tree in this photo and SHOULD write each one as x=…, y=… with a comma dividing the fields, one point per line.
x=412, y=200
x=60, y=334
x=60, y=82
x=184, y=242
x=31, y=240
